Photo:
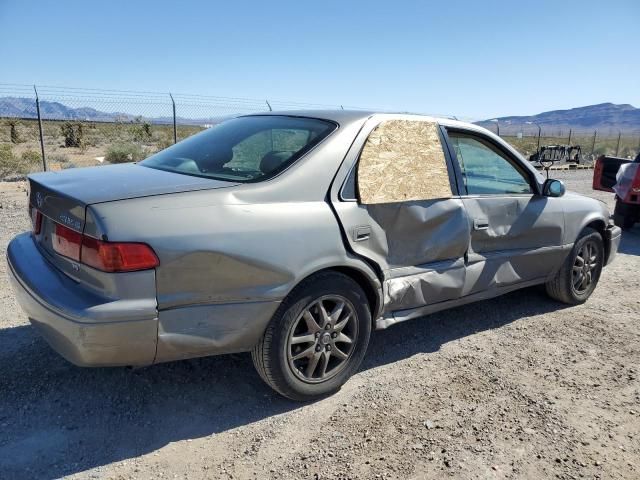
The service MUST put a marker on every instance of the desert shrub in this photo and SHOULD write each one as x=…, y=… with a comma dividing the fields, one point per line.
x=68, y=165
x=10, y=164
x=141, y=132
x=124, y=152
x=72, y=133
x=164, y=142
x=57, y=158
x=14, y=132
x=31, y=156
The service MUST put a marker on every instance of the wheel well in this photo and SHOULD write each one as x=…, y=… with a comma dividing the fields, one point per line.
x=597, y=225
x=366, y=285
x=600, y=227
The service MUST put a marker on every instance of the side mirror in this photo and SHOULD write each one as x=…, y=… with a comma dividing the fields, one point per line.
x=553, y=188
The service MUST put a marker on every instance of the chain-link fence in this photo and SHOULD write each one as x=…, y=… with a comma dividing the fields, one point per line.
x=57, y=128
x=530, y=138
x=75, y=127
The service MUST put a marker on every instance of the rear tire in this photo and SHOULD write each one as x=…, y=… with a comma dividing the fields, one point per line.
x=577, y=278
x=316, y=339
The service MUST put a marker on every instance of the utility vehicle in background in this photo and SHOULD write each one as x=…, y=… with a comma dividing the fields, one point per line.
x=622, y=177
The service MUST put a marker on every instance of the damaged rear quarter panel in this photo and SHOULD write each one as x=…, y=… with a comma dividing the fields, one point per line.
x=224, y=265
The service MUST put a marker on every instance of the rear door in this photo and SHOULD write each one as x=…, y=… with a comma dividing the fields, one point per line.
x=516, y=233
x=400, y=208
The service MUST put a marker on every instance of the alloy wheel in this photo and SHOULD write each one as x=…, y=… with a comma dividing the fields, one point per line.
x=322, y=339
x=584, y=267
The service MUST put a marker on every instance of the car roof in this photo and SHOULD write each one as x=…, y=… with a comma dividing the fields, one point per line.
x=344, y=117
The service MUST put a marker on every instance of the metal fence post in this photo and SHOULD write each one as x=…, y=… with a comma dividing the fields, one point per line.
x=175, y=129
x=44, y=160
x=593, y=143
x=569, y=141
x=618, y=144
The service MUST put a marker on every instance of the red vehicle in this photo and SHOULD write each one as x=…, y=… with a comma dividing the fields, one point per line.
x=622, y=177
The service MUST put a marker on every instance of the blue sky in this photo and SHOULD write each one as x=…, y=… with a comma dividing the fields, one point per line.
x=475, y=59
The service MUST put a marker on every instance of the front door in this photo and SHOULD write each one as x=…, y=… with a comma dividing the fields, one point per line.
x=516, y=233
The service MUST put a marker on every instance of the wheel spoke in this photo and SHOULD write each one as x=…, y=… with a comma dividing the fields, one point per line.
x=324, y=316
x=337, y=311
x=583, y=285
x=309, y=338
x=304, y=353
x=312, y=325
x=578, y=280
x=325, y=362
x=343, y=338
x=339, y=353
x=313, y=363
x=343, y=323
x=577, y=270
x=579, y=261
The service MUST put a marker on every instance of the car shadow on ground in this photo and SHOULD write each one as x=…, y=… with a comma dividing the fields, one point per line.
x=57, y=419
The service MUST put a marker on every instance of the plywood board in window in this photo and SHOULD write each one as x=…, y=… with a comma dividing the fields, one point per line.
x=403, y=160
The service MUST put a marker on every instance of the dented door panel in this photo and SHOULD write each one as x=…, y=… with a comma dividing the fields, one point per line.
x=419, y=245
x=420, y=232
x=513, y=239
x=413, y=287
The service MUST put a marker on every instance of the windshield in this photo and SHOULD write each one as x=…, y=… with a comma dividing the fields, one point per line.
x=244, y=149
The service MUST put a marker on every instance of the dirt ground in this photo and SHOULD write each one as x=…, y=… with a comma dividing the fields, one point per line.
x=515, y=387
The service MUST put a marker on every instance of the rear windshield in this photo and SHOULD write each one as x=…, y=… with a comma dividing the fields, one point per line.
x=244, y=149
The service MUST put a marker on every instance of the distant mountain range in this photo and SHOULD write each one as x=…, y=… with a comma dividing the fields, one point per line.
x=604, y=116
x=26, y=108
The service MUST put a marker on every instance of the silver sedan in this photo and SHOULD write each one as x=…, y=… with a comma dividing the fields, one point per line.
x=292, y=236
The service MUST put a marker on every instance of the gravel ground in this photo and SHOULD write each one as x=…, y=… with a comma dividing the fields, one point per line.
x=514, y=387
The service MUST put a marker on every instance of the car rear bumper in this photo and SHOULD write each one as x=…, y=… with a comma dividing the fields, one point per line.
x=613, y=235
x=85, y=328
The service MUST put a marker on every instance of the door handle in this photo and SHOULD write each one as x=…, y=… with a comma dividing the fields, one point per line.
x=480, y=224
x=361, y=233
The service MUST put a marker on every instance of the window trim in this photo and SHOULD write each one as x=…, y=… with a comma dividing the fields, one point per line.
x=501, y=151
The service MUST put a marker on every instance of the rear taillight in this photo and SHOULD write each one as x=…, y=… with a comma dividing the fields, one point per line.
x=105, y=256
x=66, y=242
x=116, y=256
x=36, y=221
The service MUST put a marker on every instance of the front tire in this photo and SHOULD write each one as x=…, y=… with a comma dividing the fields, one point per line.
x=577, y=278
x=316, y=339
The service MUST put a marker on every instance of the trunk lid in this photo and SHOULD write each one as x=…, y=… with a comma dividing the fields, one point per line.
x=62, y=197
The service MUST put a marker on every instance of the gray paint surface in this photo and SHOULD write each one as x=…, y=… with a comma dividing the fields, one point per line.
x=230, y=253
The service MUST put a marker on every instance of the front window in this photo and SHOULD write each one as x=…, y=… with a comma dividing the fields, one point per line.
x=485, y=170
x=244, y=149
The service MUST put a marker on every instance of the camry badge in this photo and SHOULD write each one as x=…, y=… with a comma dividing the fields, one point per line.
x=39, y=200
